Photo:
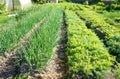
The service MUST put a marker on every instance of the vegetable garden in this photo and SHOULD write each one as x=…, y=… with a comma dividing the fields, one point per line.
x=65, y=40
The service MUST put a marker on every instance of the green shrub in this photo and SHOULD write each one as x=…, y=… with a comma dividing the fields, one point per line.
x=100, y=4
x=86, y=2
x=1, y=6
x=2, y=9
x=40, y=1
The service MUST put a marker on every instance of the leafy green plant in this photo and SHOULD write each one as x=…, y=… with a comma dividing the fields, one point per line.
x=110, y=33
x=86, y=53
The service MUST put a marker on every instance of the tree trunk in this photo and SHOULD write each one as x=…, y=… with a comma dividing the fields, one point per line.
x=9, y=5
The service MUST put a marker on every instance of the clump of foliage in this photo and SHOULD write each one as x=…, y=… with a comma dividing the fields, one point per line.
x=100, y=4
x=3, y=15
x=2, y=9
x=41, y=1
x=86, y=2
x=1, y=6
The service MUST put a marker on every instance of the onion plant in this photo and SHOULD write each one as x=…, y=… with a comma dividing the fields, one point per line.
x=43, y=41
x=10, y=37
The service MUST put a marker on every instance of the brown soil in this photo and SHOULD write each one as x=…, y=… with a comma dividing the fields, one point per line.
x=99, y=34
x=7, y=62
x=110, y=76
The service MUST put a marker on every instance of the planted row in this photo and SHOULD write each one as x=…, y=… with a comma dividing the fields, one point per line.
x=13, y=21
x=86, y=53
x=10, y=37
x=110, y=34
x=42, y=41
x=23, y=13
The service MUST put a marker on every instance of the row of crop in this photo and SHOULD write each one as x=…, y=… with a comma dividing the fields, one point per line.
x=110, y=34
x=42, y=41
x=86, y=53
x=103, y=16
x=71, y=6
x=109, y=17
x=10, y=37
x=20, y=14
